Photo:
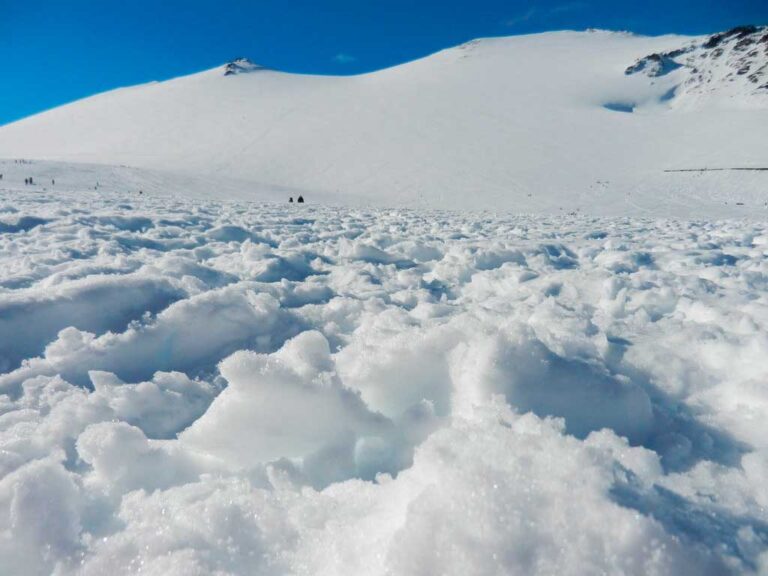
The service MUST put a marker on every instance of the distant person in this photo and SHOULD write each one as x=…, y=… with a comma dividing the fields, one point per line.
x=301, y=199
x=141, y=192
x=31, y=181
x=290, y=200
x=53, y=182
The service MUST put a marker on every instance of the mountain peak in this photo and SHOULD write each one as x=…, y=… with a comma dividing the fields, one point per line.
x=241, y=66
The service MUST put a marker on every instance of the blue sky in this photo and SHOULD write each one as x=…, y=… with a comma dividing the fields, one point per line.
x=53, y=52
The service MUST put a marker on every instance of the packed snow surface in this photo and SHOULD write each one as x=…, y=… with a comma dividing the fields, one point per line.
x=209, y=387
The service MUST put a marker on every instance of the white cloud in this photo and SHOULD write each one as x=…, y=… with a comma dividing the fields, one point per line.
x=542, y=14
x=344, y=58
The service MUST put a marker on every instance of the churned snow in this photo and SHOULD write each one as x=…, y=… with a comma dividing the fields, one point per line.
x=199, y=386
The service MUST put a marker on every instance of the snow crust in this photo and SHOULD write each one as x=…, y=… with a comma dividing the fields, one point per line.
x=211, y=387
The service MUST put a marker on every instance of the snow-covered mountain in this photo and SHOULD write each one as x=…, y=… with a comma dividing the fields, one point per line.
x=732, y=64
x=573, y=120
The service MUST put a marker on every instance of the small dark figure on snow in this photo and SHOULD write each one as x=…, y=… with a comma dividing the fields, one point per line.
x=290, y=200
x=141, y=192
x=301, y=200
x=53, y=182
x=31, y=181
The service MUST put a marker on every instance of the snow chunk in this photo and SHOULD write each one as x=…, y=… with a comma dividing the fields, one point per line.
x=288, y=404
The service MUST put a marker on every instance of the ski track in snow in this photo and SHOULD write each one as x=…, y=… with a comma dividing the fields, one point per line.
x=196, y=387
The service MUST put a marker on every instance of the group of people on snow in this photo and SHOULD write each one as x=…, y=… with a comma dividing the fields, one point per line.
x=31, y=181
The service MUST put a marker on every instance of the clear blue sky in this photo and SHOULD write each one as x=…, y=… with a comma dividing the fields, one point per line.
x=56, y=51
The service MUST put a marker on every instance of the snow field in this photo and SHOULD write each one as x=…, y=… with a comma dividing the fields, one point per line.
x=198, y=387
x=536, y=123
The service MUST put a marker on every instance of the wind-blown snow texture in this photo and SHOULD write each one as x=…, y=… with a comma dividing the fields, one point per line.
x=198, y=387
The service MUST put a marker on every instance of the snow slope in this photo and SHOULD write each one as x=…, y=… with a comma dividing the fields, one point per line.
x=530, y=123
x=204, y=387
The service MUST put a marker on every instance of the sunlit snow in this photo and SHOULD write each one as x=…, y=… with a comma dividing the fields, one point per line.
x=524, y=123
x=198, y=387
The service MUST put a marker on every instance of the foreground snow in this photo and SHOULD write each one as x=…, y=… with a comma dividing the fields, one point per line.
x=197, y=387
